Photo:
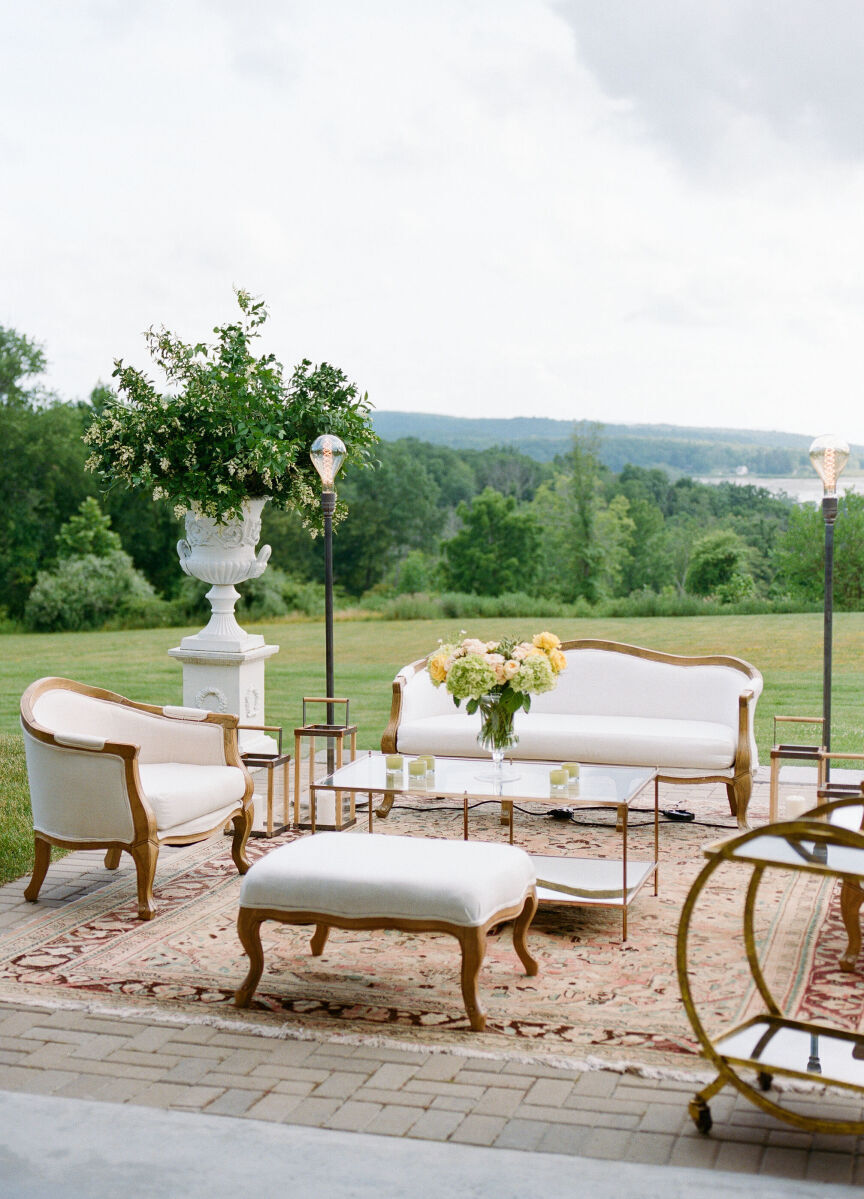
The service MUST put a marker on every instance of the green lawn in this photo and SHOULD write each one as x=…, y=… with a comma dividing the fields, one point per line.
x=787, y=649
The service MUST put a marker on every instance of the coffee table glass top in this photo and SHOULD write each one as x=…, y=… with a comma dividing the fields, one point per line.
x=598, y=786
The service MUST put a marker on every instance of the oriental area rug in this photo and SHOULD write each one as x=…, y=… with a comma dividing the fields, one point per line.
x=596, y=1002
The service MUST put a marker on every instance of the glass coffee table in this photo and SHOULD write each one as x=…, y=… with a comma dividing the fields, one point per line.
x=600, y=882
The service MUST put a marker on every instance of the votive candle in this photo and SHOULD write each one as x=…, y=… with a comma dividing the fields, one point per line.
x=796, y=806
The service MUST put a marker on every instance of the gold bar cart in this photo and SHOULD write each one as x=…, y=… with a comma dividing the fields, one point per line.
x=770, y=1043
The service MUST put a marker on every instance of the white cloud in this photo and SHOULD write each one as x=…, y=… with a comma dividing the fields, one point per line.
x=494, y=208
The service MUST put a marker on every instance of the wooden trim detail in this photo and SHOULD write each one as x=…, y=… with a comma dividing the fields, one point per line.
x=471, y=938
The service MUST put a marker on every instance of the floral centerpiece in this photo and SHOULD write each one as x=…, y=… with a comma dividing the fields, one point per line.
x=497, y=679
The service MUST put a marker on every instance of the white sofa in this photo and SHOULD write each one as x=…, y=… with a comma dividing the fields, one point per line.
x=614, y=704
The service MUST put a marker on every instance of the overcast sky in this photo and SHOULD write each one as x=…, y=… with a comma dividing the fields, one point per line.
x=617, y=210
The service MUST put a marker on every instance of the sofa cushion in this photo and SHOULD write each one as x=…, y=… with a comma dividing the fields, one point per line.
x=388, y=877
x=179, y=793
x=622, y=740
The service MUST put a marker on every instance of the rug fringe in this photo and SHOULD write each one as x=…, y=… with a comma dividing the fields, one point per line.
x=696, y=1078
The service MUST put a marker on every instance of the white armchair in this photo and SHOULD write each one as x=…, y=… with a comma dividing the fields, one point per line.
x=106, y=772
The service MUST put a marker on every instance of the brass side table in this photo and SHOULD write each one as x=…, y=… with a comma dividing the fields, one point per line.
x=270, y=763
x=771, y=1043
x=796, y=753
x=311, y=732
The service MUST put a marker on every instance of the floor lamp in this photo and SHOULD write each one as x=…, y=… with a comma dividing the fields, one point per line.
x=328, y=454
x=828, y=454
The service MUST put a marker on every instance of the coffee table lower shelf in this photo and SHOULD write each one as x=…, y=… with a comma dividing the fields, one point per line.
x=594, y=882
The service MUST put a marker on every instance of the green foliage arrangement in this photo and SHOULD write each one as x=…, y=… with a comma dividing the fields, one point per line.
x=231, y=428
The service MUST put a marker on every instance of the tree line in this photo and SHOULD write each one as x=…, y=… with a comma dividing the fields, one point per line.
x=429, y=519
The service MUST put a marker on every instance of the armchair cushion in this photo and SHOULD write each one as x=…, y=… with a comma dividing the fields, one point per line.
x=179, y=792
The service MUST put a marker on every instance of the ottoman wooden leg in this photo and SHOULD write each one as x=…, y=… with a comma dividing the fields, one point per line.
x=473, y=942
x=520, y=928
x=319, y=939
x=249, y=932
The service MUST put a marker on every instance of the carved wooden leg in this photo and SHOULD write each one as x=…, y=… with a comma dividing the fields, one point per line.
x=520, y=928
x=249, y=932
x=242, y=828
x=473, y=942
x=41, y=862
x=738, y=791
x=319, y=939
x=851, y=899
x=112, y=858
x=145, y=856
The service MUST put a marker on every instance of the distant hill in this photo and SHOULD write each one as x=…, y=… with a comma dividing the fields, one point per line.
x=676, y=448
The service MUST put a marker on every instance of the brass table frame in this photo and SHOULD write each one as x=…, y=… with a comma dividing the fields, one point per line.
x=792, y=834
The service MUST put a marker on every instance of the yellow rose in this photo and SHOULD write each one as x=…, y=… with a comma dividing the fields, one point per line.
x=557, y=660
x=546, y=641
x=437, y=667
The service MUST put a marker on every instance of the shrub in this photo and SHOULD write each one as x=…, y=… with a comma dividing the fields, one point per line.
x=88, y=592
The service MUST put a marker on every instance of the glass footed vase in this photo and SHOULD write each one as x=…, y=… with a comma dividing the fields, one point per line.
x=498, y=737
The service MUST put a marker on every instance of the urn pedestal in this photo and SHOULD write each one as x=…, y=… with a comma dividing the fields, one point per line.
x=223, y=665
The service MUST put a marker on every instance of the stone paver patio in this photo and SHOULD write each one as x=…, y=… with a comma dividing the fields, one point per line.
x=457, y=1096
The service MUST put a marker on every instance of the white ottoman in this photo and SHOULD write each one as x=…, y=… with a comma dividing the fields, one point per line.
x=414, y=883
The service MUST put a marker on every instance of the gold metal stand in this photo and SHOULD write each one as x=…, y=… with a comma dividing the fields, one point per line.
x=770, y=1043
x=796, y=753
x=332, y=733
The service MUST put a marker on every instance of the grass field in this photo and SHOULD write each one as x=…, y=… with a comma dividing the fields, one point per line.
x=787, y=649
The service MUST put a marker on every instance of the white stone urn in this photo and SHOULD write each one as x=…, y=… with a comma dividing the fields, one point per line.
x=222, y=555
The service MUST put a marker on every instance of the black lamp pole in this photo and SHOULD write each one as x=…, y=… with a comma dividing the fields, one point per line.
x=828, y=454
x=829, y=515
x=327, y=454
x=328, y=507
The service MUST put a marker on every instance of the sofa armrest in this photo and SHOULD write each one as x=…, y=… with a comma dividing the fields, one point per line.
x=389, y=738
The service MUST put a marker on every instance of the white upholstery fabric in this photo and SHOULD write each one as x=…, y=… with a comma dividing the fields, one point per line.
x=160, y=739
x=77, y=796
x=608, y=706
x=202, y=824
x=623, y=740
x=178, y=792
x=389, y=877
